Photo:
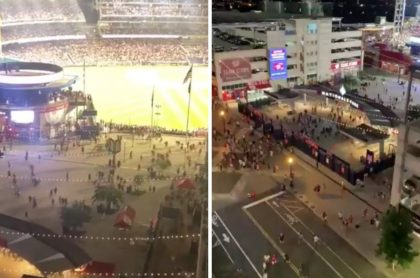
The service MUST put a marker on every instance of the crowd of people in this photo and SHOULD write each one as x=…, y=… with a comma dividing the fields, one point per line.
x=27, y=10
x=147, y=130
x=107, y=52
x=151, y=10
x=178, y=28
x=17, y=32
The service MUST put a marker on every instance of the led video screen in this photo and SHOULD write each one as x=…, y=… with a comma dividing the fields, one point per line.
x=22, y=117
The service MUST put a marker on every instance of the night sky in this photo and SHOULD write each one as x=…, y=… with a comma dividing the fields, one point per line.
x=354, y=11
x=367, y=10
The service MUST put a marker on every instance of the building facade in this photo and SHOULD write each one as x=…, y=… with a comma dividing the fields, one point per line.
x=315, y=50
x=406, y=183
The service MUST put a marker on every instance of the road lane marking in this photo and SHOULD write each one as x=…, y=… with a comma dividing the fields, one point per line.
x=224, y=248
x=310, y=245
x=226, y=238
x=272, y=241
x=291, y=202
x=263, y=200
x=240, y=248
x=329, y=249
x=297, y=210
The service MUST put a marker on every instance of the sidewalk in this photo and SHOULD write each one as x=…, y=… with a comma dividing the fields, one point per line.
x=365, y=238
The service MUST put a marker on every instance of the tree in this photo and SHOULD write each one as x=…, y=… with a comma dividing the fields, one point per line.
x=396, y=238
x=75, y=216
x=111, y=196
x=350, y=82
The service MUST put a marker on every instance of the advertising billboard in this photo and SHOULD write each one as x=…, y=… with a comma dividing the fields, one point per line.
x=277, y=59
x=235, y=69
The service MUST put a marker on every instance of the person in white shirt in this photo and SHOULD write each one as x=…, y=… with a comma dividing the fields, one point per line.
x=316, y=240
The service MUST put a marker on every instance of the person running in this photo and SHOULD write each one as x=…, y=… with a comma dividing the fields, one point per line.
x=281, y=238
x=300, y=237
x=316, y=240
x=286, y=258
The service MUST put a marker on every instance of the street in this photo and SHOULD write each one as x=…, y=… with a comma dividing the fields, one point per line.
x=263, y=222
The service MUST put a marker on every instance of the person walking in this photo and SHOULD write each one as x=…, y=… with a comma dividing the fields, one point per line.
x=340, y=216
x=324, y=217
x=365, y=213
x=351, y=219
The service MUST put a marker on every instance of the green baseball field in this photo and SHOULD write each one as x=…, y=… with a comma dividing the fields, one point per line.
x=123, y=94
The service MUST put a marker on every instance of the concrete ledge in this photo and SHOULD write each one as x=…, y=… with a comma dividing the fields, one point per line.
x=337, y=179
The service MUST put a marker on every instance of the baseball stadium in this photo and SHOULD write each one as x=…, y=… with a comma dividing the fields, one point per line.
x=113, y=96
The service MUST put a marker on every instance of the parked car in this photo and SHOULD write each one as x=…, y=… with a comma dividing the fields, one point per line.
x=411, y=185
x=246, y=6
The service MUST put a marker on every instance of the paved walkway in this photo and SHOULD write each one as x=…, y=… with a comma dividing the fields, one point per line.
x=52, y=172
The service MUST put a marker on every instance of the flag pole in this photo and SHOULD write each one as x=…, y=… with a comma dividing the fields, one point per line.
x=189, y=105
x=152, y=112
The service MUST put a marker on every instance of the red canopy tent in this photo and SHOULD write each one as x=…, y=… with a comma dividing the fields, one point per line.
x=125, y=218
x=185, y=184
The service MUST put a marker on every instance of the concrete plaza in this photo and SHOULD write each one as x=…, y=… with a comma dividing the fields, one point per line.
x=105, y=243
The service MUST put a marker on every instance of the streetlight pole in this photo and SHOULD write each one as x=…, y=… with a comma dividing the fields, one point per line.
x=222, y=114
x=290, y=161
x=124, y=150
x=398, y=179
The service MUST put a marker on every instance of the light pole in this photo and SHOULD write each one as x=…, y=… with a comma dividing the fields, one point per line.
x=124, y=151
x=398, y=179
x=222, y=114
x=290, y=162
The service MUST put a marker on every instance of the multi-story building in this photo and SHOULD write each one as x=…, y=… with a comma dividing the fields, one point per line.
x=315, y=50
x=406, y=183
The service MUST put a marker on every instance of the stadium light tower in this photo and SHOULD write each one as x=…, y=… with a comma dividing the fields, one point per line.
x=399, y=15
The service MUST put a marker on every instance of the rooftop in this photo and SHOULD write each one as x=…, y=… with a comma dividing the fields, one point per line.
x=220, y=17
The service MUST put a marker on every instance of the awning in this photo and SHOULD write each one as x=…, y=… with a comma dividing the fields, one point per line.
x=41, y=247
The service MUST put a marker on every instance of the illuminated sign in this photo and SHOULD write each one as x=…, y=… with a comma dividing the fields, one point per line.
x=345, y=65
x=277, y=59
x=235, y=69
x=338, y=97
